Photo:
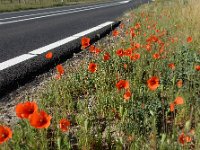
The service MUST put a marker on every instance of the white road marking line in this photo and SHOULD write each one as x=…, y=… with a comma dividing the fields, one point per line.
x=105, y=24
x=124, y=2
x=34, y=53
x=32, y=10
x=68, y=39
x=53, y=45
x=64, y=13
x=50, y=12
x=14, y=61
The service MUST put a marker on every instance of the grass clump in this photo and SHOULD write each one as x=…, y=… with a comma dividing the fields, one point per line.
x=17, y=5
x=140, y=90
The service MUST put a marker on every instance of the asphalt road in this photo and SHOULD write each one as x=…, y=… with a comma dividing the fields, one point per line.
x=22, y=32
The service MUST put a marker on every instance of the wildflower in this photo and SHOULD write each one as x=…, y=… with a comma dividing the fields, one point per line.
x=120, y=52
x=148, y=47
x=137, y=45
x=64, y=125
x=127, y=95
x=122, y=84
x=153, y=83
x=179, y=100
x=137, y=26
x=57, y=76
x=135, y=56
x=24, y=110
x=152, y=38
x=156, y=56
x=172, y=105
x=49, y=55
x=197, y=67
x=125, y=66
x=128, y=52
x=189, y=39
x=85, y=42
x=184, y=138
x=181, y=138
x=5, y=134
x=171, y=66
x=106, y=56
x=115, y=33
x=132, y=33
x=92, y=67
x=97, y=50
x=60, y=69
x=40, y=120
x=92, y=49
x=179, y=83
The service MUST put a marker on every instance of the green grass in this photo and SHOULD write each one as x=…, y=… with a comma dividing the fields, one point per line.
x=15, y=5
x=100, y=117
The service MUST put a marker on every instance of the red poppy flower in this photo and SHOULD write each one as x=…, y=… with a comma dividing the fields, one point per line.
x=137, y=45
x=64, y=125
x=132, y=33
x=179, y=100
x=197, y=67
x=153, y=83
x=171, y=105
x=106, y=56
x=189, y=39
x=161, y=50
x=92, y=67
x=152, y=38
x=5, y=134
x=179, y=83
x=115, y=33
x=97, y=50
x=184, y=138
x=135, y=57
x=40, y=120
x=24, y=110
x=57, y=76
x=120, y=52
x=125, y=66
x=171, y=66
x=92, y=49
x=85, y=42
x=127, y=95
x=156, y=56
x=60, y=69
x=122, y=84
x=128, y=52
x=148, y=47
x=137, y=26
x=181, y=138
x=49, y=55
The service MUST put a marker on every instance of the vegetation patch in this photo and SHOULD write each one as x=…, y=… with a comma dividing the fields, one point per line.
x=17, y=5
x=140, y=90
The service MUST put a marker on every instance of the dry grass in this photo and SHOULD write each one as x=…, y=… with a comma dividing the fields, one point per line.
x=8, y=6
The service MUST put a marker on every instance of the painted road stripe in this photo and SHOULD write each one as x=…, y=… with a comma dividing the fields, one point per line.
x=53, y=45
x=34, y=53
x=64, y=13
x=14, y=61
x=69, y=39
